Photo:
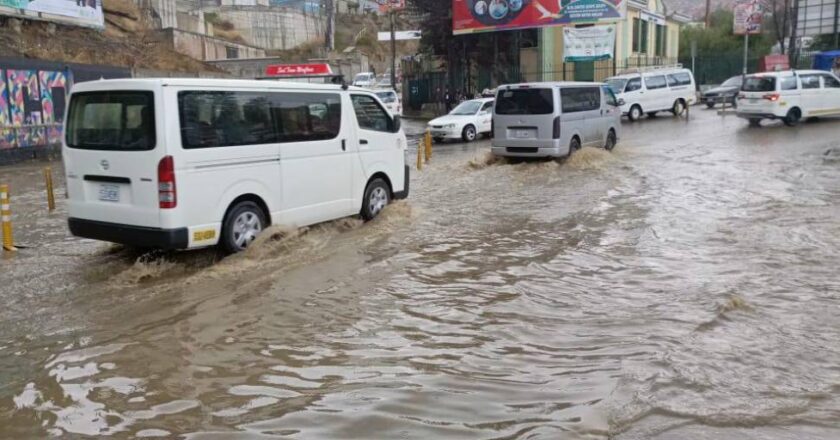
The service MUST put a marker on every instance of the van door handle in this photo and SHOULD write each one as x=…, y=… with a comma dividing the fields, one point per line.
x=344, y=145
x=363, y=141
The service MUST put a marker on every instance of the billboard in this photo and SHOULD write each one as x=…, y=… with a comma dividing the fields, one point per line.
x=589, y=43
x=748, y=17
x=499, y=15
x=86, y=13
x=298, y=70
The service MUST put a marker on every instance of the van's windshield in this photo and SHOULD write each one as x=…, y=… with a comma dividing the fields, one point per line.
x=118, y=120
x=387, y=97
x=759, y=84
x=525, y=102
x=616, y=84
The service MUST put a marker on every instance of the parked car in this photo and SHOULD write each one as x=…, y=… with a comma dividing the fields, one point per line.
x=191, y=163
x=724, y=93
x=465, y=122
x=789, y=95
x=391, y=100
x=554, y=119
x=365, y=79
x=654, y=89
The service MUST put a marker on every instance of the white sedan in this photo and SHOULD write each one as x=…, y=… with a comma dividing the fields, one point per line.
x=465, y=122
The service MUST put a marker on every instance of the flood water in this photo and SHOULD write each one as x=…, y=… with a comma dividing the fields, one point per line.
x=684, y=286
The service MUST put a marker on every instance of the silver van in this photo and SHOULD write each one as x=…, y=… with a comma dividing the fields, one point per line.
x=554, y=119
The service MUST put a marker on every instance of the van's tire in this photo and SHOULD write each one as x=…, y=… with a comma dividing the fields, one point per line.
x=754, y=122
x=438, y=140
x=651, y=115
x=678, y=108
x=710, y=104
x=241, y=226
x=635, y=113
x=469, y=134
x=793, y=117
x=574, y=145
x=377, y=196
x=611, y=140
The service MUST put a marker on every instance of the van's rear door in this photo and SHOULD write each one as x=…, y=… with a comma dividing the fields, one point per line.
x=111, y=156
x=525, y=114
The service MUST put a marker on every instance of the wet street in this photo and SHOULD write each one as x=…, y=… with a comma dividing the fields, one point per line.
x=684, y=286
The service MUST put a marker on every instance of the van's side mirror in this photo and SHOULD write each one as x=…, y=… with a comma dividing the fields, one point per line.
x=621, y=102
x=397, y=123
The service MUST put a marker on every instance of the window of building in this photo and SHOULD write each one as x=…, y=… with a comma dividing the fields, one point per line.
x=640, y=36
x=231, y=53
x=580, y=99
x=370, y=114
x=661, y=40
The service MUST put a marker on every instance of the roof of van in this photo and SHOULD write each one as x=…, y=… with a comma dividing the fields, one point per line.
x=207, y=82
x=788, y=72
x=548, y=84
x=655, y=72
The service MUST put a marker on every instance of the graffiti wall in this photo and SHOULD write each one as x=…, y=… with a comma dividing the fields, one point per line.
x=31, y=107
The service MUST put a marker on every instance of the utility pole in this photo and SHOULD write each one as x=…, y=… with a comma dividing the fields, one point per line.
x=836, y=19
x=393, y=51
x=329, y=38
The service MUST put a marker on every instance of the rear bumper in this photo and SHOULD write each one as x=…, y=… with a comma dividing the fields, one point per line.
x=130, y=235
x=404, y=193
x=757, y=115
x=529, y=151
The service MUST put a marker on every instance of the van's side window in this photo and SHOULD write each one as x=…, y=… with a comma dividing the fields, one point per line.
x=830, y=82
x=789, y=83
x=370, y=114
x=810, y=81
x=580, y=99
x=301, y=117
x=487, y=107
x=633, y=85
x=655, y=82
x=224, y=119
x=680, y=79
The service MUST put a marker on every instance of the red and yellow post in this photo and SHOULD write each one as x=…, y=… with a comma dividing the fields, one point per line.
x=6, y=218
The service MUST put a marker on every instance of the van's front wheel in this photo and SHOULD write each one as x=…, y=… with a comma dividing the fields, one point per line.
x=635, y=113
x=377, y=197
x=241, y=227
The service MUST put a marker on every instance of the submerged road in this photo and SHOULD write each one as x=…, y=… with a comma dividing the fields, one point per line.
x=684, y=286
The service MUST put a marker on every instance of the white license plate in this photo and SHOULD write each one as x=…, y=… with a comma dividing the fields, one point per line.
x=109, y=193
x=522, y=134
x=753, y=100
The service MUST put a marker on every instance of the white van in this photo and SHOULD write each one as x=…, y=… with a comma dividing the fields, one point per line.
x=190, y=163
x=789, y=96
x=554, y=119
x=654, y=89
x=391, y=100
x=365, y=79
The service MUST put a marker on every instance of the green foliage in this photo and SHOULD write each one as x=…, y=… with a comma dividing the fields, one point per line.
x=719, y=38
x=823, y=43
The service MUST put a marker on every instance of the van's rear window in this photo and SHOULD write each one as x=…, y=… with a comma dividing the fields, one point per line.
x=759, y=84
x=525, y=102
x=114, y=120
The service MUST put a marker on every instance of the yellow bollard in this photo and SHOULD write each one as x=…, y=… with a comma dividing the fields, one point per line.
x=6, y=219
x=420, y=156
x=50, y=190
x=427, y=143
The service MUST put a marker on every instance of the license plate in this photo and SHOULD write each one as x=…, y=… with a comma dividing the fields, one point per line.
x=109, y=193
x=522, y=134
x=753, y=100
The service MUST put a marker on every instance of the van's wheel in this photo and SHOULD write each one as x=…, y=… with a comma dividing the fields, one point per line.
x=710, y=104
x=678, y=107
x=242, y=225
x=377, y=197
x=635, y=113
x=611, y=140
x=469, y=133
x=755, y=122
x=793, y=117
x=651, y=115
x=574, y=145
x=438, y=140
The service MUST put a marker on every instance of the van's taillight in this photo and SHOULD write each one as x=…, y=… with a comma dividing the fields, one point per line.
x=167, y=193
x=771, y=97
x=557, y=128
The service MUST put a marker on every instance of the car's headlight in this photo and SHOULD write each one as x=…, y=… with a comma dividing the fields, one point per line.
x=449, y=126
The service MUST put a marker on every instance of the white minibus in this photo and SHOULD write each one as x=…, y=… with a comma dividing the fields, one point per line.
x=654, y=89
x=191, y=163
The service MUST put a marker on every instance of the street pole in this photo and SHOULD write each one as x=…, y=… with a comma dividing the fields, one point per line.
x=708, y=11
x=836, y=18
x=393, y=53
x=329, y=39
x=746, y=50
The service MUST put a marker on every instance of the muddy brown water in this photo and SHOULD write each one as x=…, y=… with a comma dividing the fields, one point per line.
x=684, y=286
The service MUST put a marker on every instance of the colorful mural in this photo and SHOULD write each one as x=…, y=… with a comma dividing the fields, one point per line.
x=31, y=107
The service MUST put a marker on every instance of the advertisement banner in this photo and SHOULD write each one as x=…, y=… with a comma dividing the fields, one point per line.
x=298, y=70
x=588, y=44
x=470, y=16
x=86, y=13
x=748, y=17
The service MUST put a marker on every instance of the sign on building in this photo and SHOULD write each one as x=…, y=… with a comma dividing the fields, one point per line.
x=298, y=70
x=86, y=13
x=400, y=35
x=748, y=17
x=588, y=44
x=497, y=15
